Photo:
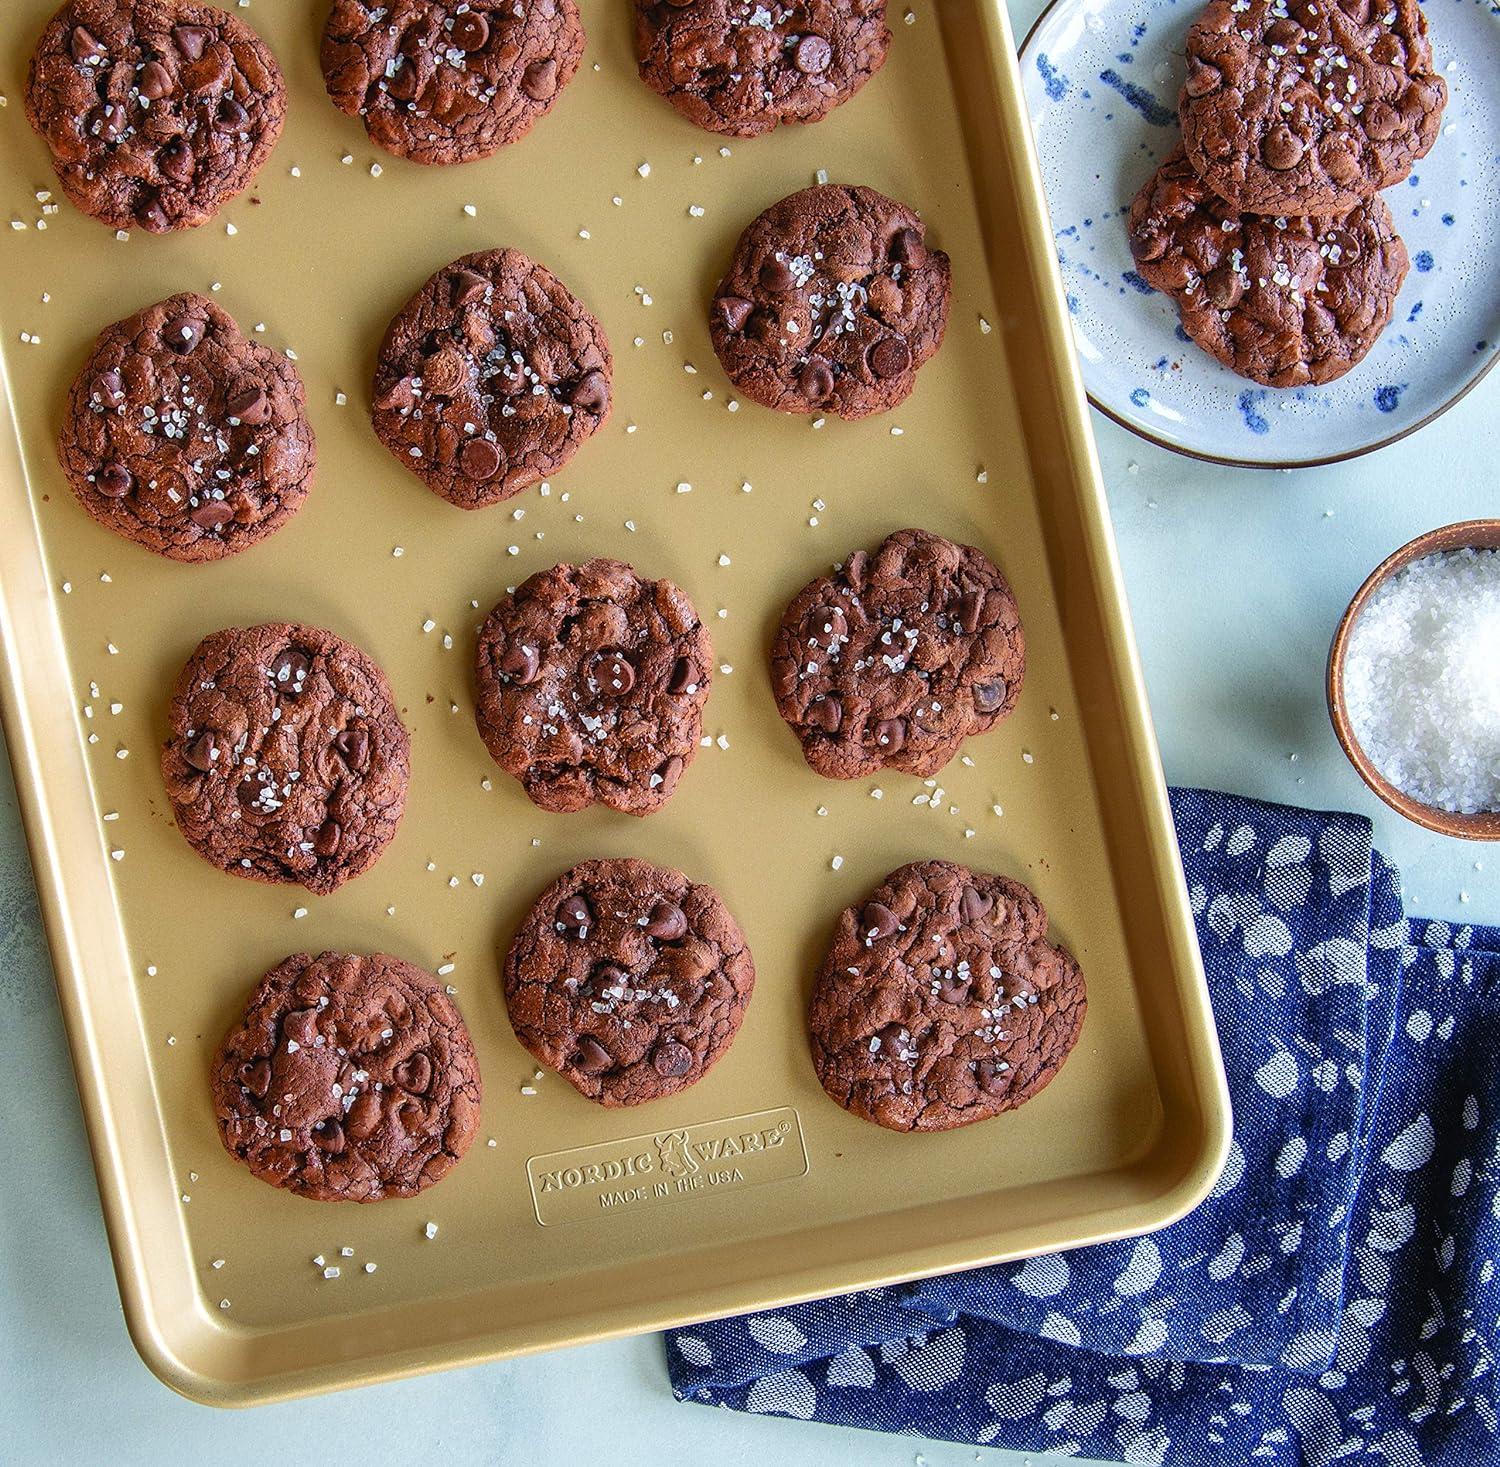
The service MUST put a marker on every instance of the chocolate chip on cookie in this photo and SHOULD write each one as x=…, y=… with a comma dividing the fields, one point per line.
x=287, y=760
x=941, y=1001
x=448, y=81
x=896, y=658
x=591, y=685
x=741, y=67
x=490, y=378
x=184, y=436
x=1308, y=106
x=1283, y=301
x=348, y=1078
x=628, y=979
x=832, y=302
x=157, y=112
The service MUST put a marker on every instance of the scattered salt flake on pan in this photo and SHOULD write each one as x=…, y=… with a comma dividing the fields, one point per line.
x=897, y=432
x=695, y=211
x=111, y=814
x=397, y=551
x=347, y=158
x=821, y=810
x=370, y=1268
x=428, y=625
x=684, y=487
x=376, y=170
x=332, y=1271
x=171, y=1039
x=820, y=177
x=723, y=559
x=117, y=855
x=230, y=229
x=837, y=862
x=644, y=170
x=223, y=1303
x=470, y=210
x=722, y=741
x=477, y=877
x=982, y=477
x=726, y=668
x=997, y=809
x=430, y=1230
x=111, y=649
x=217, y=1263
x=584, y=234
x=299, y=913
x=985, y=326
x=340, y=400
x=528, y=1090
x=446, y=969
x=1027, y=757
x=877, y=793
x=122, y=753
x=745, y=487
x=492, y=1143
x=346, y=1252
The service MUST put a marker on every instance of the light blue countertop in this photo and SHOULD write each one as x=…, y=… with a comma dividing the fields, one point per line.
x=1236, y=581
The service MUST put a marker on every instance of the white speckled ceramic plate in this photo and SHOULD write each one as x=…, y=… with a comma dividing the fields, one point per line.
x=1102, y=78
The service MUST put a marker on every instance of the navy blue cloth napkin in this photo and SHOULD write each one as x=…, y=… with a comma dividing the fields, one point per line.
x=1334, y=1299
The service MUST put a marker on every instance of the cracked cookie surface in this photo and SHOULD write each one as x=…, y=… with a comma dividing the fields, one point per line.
x=897, y=657
x=349, y=1078
x=941, y=1002
x=156, y=112
x=1308, y=106
x=832, y=303
x=286, y=761
x=1284, y=301
x=449, y=81
x=741, y=67
x=591, y=685
x=184, y=436
x=490, y=378
x=628, y=979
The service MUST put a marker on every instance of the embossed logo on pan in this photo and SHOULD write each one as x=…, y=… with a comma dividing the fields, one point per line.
x=667, y=1166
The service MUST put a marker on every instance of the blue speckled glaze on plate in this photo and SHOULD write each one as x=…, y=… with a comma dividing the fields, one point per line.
x=1102, y=78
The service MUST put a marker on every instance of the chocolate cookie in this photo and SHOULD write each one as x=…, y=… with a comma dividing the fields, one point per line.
x=628, y=979
x=1308, y=106
x=448, y=81
x=157, y=112
x=287, y=760
x=1283, y=301
x=941, y=1002
x=896, y=658
x=184, y=436
x=740, y=67
x=347, y=1079
x=490, y=378
x=591, y=687
x=831, y=303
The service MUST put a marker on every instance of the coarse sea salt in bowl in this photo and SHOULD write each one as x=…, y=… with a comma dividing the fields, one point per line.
x=1414, y=680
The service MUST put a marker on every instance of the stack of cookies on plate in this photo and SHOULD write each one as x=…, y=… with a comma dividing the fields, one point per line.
x=1266, y=225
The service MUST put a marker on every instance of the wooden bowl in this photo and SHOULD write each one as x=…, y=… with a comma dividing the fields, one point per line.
x=1485, y=825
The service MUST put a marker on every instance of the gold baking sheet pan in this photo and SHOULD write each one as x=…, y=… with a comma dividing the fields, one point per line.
x=155, y=950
